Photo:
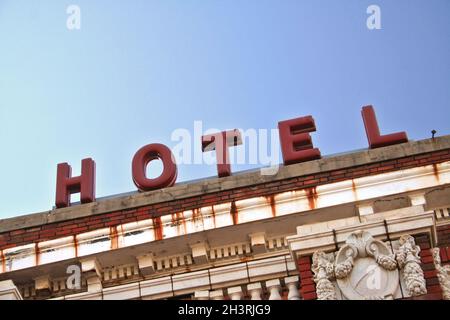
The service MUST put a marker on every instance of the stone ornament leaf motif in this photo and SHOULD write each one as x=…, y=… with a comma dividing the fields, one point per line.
x=409, y=261
x=342, y=270
x=323, y=269
x=443, y=273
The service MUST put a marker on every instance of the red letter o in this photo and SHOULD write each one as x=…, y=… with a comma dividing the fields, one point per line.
x=143, y=157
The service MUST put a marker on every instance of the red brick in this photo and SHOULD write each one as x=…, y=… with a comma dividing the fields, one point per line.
x=302, y=260
x=304, y=267
x=143, y=214
x=434, y=289
x=16, y=239
x=79, y=230
x=443, y=254
x=308, y=288
x=307, y=281
x=63, y=232
x=430, y=296
x=69, y=226
x=309, y=296
x=338, y=172
x=31, y=238
x=427, y=259
x=17, y=232
x=110, y=223
x=385, y=168
x=312, y=181
x=425, y=253
x=361, y=172
x=430, y=274
x=96, y=226
x=93, y=221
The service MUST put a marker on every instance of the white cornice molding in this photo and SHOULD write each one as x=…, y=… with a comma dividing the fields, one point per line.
x=8, y=291
x=411, y=220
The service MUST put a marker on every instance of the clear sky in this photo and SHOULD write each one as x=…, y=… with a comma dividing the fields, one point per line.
x=138, y=70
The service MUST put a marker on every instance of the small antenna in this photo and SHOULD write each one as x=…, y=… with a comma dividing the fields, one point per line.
x=433, y=132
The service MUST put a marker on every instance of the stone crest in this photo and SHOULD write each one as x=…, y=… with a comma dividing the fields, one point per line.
x=365, y=268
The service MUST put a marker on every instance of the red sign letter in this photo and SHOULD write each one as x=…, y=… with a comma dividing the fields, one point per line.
x=143, y=157
x=220, y=142
x=66, y=185
x=296, y=143
x=373, y=132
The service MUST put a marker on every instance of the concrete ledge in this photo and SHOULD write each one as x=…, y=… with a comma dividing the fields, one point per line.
x=320, y=236
x=8, y=291
x=212, y=185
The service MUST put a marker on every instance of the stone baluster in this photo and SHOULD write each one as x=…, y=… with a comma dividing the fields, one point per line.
x=255, y=290
x=201, y=295
x=292, y=283
x=235, y=293
x=274, y=287
x=216, y=295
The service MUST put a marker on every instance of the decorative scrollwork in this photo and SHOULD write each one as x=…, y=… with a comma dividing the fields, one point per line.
x=365, y=268
x=386, y=261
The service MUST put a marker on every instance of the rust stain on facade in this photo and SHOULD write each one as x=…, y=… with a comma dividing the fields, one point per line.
x=436, y=171
x=114, y=237
x=213, y=215
x=2, y=257
x=183, y=221
x=37, y=253
x=355, y=195
x=311, y=194
x=245, y=259
x=75, y=243
x=196, y=215
x=178, y=221
x=271, y=200
x=234, y=213
x=158, y=228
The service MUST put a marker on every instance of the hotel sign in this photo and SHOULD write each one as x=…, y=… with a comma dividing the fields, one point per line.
x=296, y=147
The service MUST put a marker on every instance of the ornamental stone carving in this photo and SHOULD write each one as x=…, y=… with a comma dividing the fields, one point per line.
x=408, y=260
x=323, y=269
x=365, y=268
x=443, y=273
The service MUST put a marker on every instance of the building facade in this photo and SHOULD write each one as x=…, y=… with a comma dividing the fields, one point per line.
x=371, y=224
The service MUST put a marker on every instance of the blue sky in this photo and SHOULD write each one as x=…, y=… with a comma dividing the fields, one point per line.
x=138, y=70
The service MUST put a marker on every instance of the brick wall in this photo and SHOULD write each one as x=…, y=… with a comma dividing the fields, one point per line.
x=76, y=226
x=443, y=235
x=307, y=285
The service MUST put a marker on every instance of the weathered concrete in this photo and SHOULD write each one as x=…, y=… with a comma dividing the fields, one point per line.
x=186, y=190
